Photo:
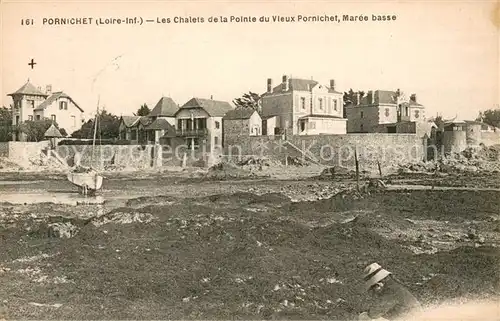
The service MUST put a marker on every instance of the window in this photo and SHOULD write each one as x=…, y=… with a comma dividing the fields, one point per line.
x=216, y=140
x=312, y=125
x=407, y=111
x=361, y=128
x=17, y=120
x=30, y=117
x=361, y=115
x=335, y=104
x=302, y=126
x=416, y=114
x=53, y=117
x=31, y=103
x=179, y=124
x=321, y=103
x=38, y=117
x=387, y=112
x=303, y=102
x=133, y=134
x=74, y=120
x=217, y=124
x=63, y=105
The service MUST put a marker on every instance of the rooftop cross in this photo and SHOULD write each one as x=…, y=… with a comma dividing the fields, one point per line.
x=32, y=63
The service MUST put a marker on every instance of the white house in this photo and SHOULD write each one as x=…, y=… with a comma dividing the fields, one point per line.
x=30, y=103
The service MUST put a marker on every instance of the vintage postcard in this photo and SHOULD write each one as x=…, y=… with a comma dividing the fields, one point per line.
x=284, y=160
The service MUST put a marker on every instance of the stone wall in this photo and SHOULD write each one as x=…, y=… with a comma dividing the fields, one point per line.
x=388, y=149
x=133, y=156
x=235, y=128
x=23, y=153
x=490, y=138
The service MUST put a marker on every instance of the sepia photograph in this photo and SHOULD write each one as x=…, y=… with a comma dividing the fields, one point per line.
x=250, y=160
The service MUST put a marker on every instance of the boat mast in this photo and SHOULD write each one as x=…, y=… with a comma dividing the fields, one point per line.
x=95, y=130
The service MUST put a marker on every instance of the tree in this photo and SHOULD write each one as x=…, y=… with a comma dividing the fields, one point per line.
x=143, y=111
x=351, y=97
x=439, y=121
x=108, y=126
x=490, y=117
x=250, y=100
x=5, y=124
x=35, y=129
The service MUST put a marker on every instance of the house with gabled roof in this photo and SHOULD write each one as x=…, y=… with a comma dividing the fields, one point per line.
x=241, y=121
x=383, y=109
x=302, y=107
x=150, y=129
x=199, y=122
x=30, y=103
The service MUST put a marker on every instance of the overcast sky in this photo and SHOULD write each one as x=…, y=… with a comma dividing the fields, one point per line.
x=445, y=52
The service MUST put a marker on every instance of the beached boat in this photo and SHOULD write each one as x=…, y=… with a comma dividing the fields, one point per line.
x=88, y=180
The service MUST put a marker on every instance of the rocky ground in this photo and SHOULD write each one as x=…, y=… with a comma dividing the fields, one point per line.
x=191, y=246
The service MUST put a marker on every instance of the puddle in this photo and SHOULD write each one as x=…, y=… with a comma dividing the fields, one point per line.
x=19, y=182
x=50, y=197
x=438, y=188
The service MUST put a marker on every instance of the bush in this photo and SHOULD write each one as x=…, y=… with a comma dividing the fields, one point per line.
x=98, y=142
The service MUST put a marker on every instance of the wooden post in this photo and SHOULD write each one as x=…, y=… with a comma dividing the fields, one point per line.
x=357, y=168
x=379, y=169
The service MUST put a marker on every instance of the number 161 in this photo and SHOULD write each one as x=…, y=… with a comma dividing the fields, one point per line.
x=26, y=22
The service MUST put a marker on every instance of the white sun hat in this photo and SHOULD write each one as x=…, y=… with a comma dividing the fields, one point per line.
x=373, y=274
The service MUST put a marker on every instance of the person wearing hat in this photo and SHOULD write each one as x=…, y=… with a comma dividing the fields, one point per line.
x=392, y=299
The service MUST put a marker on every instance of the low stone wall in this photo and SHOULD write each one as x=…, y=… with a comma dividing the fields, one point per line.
x=133, y=156
x=331, y=150
x=490, y=138
x=23, y=152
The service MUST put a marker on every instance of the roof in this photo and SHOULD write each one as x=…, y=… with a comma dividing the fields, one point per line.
x=165, y=107
x=55, y=96
x=321, y=116
x=301, y=85
x=385, y=97
x=240, y=113
x=145, y=120
x=28, y=89
x=159, y=124
x=52, y=132
x=130, y=121
x=214, y=108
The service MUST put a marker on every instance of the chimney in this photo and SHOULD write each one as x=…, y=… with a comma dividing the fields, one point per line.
x=48, y=89
x=285, y=86
x=212, y=97
x=413, y=98
x=371, y=98
x=332, y=84
x=269, y=85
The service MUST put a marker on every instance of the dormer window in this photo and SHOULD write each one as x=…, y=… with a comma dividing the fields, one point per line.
x=63, y=105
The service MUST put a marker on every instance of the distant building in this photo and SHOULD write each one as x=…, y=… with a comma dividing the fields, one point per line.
x=302, y=107
x=241, y=122
x=382, y=107
x=460, y=134
x=199, y=121
x=30, y=103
